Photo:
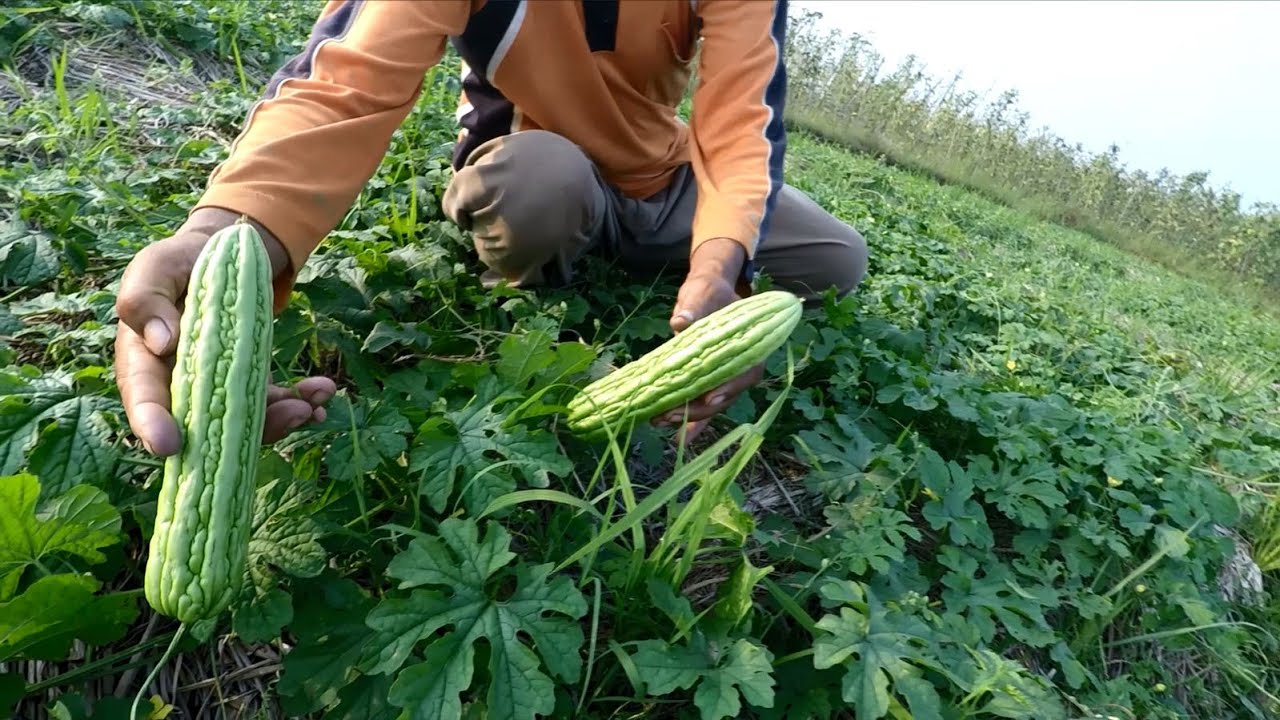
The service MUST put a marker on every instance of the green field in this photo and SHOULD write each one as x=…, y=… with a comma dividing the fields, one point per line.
x=1019, y=474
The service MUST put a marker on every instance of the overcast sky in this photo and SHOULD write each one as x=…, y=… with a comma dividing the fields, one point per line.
x=1184, y=85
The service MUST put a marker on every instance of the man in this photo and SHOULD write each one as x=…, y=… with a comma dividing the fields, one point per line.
x=569, y=143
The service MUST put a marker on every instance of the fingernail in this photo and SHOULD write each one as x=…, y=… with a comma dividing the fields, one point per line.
x=156, y=334
x=319, y=414
x=717, y=399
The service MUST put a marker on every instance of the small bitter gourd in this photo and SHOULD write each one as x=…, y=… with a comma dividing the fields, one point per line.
x=200, y=544
x=713, y=350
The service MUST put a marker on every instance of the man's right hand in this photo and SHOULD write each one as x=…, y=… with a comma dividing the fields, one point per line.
x=151, y=290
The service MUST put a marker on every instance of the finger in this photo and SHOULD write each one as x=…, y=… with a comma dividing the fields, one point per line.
x=317, y=390
x=714, y=401
x=689, y=304
x=702, y=410
x=143, y=380
x=148, y=299
x=671, y=417
x=724, y=395
x=693, y=412
x=278, y=393
x=314, y=390
x=693, y=430
x=284, y=417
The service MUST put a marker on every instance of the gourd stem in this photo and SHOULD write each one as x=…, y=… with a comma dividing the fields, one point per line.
x=164, y=660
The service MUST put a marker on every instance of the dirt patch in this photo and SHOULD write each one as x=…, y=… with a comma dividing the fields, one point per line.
x=123, y=64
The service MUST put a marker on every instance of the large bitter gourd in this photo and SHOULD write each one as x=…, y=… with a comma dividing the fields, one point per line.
x=713, y=350
x=200, y=544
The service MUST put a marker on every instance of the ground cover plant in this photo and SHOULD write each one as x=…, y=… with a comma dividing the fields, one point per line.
x=1019, y=474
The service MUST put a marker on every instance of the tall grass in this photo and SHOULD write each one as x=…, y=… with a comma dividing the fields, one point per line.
x=841, y=88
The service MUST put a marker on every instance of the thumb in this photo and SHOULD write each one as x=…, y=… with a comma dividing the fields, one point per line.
x=681, y=319
x=149, y=292
x=690, y=300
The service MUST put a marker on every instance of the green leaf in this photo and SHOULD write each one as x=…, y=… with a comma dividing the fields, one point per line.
x=364, y=699
x=954, y=508
x=74, y=444
x=868, y=535
x=330, y=636
x=880, y=648
x=743, y=670
x=839, y=453
x=1027, y=494
x=27, y=257
x=262, y=619
x=100, y=14
x=1007, y=689
x=285, y=537
x=989, y=593
x=730, y=522
x=363, y=442
x=388, y=333
x=12, y=689
x=42, y=622
x=471, y=442
x=9, y=325
x=676, y=607
x=734, y=597
x=534, y=356
x=1073, y=670
x=62, y=434
x=454, y=573
x=803, y=693
x=747, y=669
x=417, y=387
x=520, y=357
x=77, y=523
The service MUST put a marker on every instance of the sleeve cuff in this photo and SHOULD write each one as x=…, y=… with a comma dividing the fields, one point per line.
x=294, y=236
x=740, y=232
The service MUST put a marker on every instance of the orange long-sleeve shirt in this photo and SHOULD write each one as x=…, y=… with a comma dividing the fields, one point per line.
x=605, y=74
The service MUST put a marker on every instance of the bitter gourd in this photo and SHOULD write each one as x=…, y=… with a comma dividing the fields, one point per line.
x=200, y=544
x=713, y=350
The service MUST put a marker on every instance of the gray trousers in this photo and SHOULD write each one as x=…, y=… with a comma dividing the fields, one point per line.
x=535, y=203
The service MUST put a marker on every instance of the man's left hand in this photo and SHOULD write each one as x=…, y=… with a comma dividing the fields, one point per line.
x=709, y=286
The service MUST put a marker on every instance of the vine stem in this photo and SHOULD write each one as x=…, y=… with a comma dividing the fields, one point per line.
x=164, y=660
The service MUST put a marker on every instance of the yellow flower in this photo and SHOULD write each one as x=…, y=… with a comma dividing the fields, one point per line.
x=1140, y=588
x=1114, y=482
x=1011, y=364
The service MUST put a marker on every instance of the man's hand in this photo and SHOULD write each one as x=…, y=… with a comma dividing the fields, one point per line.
x=709, y=286
x=147, y=336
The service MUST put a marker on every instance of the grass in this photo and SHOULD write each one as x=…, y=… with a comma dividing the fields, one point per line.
x=1020, y=473
x=946, y=170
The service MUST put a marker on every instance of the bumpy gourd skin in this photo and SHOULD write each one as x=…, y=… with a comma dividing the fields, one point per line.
x=710, y=352
x=200, y=544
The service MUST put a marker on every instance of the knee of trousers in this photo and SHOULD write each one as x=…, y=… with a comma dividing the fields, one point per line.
x=523, y=196
x=838, y=260
x=849, y=262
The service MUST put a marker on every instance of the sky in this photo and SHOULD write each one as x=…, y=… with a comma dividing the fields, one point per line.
x=1191, y=86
